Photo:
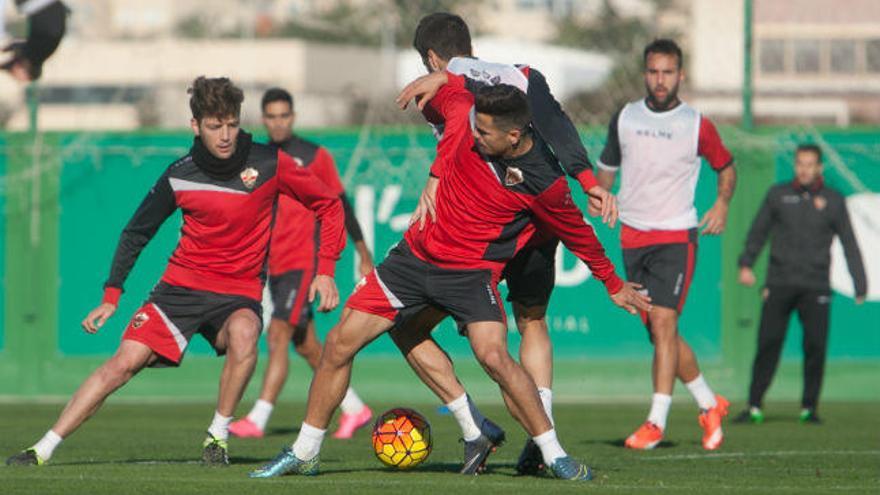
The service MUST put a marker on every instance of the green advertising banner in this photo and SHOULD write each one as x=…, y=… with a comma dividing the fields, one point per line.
x=102, y=184
x=68, y=196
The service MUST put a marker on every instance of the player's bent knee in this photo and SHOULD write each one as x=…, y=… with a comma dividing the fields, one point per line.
x=337, y=351
x=494, y=359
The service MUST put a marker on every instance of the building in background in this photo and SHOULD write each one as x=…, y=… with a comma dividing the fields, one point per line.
x=814, y=60
x=126, y=63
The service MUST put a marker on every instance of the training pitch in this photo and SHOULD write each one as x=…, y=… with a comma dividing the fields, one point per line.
x=153, y=448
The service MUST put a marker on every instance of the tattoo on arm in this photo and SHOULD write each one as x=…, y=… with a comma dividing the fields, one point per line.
x=726, y=183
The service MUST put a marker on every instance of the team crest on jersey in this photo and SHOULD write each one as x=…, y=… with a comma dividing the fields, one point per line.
x=139, y=319
x=513, y=176
x=820, y=203
x=249, y=177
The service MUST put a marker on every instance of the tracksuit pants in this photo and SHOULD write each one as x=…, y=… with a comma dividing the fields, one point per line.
x=813, y=308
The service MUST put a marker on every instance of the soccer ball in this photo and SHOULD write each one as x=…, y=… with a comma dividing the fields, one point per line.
x=402, y=438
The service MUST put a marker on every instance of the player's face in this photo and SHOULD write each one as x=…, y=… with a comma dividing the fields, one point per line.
x=662, y=77
x=278, y=120
x=218, y=134
x=807, y=167
x=491, y=140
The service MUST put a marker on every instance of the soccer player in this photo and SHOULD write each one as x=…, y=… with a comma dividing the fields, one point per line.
x=292, y=258
x=656, y=144
x=47, y=22
x=443, y=42
x=226, y=187
x=801, y=218
x=486, y=211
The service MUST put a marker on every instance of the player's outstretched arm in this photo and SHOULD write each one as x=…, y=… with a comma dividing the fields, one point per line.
x=325, y=287
x=422, y=90
x=97, y=317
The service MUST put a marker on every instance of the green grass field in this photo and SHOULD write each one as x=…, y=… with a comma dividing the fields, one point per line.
x=153, y=448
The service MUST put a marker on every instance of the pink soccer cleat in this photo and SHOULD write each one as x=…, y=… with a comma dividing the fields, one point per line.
x=245, y=428
x=349, y=423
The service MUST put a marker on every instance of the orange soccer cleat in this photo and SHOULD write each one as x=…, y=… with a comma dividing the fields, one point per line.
x=710, y=421
x=646, y=437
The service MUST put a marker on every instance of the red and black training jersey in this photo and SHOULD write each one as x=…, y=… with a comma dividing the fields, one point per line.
x=549, y=120
x=488, y=210
x=225, y=235
x=294, y=243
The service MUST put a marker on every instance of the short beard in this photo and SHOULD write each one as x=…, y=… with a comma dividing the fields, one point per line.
x=670, y=101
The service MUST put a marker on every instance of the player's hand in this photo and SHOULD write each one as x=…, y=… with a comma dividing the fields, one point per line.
x=422, y=89
x=602, y=202
x=715, y=219
x=632, y=298
x=324, y=286
x=18, y=66
x=427, y=205
x=97, y=317
x=747, y=276
x=365, y=266
x=860, y=300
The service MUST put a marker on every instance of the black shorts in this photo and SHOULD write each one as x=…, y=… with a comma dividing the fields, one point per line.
x=665, y=270
x=172, y=315
x=403, y=284
x=290, y=294
x=531, y=275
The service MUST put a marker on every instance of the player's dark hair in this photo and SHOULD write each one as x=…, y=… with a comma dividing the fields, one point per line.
x=810, y=148
x=276, y=94
x=214, y=97
x=507, y=105
x=665, y=46
x=447, y=34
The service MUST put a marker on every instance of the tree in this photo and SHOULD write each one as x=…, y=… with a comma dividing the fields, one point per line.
x=622, y=38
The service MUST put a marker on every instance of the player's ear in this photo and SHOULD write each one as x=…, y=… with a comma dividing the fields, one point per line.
x=194, y=123
x=433, y=60
x=514, y=136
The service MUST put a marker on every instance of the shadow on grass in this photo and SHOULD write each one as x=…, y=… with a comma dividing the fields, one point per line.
x=665, y=444
x=431, y=467
x=274, y=432
x=194, y=461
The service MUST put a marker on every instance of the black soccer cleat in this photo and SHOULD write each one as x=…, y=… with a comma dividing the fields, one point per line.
x=27, y=457
x=531, y=461
x=215, y=452
x=477, y=451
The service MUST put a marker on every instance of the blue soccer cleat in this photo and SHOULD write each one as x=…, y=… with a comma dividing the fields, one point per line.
x=566, y=468
x=286, y=462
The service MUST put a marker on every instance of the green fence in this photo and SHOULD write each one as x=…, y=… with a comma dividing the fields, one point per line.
x=67, y=197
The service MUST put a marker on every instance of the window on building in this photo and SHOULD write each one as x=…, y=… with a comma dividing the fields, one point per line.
x=872, y=55
x=806, y=56
x=843, y=56
x=772, y=56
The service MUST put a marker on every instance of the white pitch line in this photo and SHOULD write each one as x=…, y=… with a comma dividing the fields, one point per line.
x=779, y=453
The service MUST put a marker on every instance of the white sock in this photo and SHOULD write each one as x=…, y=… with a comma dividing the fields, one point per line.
x=260, y=413
x=308, y=442
x=219, y=428
x=660, y=410
x=549, y=445
x=702, y=393
x=351, y=403
x=547, y=400
x=47, y=445
x=463, y=412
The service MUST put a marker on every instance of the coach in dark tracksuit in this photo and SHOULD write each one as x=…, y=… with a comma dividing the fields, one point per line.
x=801, y=217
